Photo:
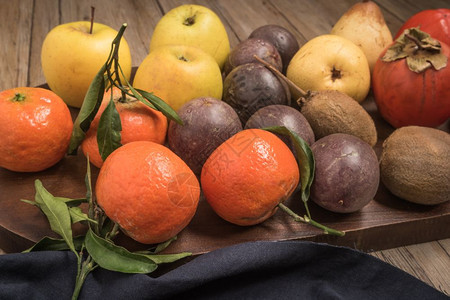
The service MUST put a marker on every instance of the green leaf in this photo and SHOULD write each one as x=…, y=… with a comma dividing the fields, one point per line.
x=93, y=99
x=108, y=132
x=115, y=258
x=158, y=248
x=305, y=159
x=162, y=106
x=167, y=258
x=139, y=96
x=88, y=110
x=161, y=246
x=51, y=244
x=72, y=202
x=30, y=202
x=77, y=215
x=147, y=103
x=57, y=213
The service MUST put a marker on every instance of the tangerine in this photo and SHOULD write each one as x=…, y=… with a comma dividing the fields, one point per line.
x=148, y=191
x=36, y=127
x=139, y=123
x=248, y=175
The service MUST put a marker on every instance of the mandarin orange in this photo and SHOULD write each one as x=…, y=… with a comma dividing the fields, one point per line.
x=139, y=123
x=35, y=129
x=148, y=190
x=248, y=175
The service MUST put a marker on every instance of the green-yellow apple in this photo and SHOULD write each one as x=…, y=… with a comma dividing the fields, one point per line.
x=193, y=25
x=331, y=62
x=179, y=73
x=71, y=57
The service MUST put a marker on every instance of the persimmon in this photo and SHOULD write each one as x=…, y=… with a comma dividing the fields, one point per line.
x=410, y=81
x=435, y=22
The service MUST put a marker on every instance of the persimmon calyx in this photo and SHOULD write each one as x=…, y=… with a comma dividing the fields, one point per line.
x=419, y=49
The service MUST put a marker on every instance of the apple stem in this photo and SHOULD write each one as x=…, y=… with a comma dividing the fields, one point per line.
x=189, y=21
x=92, y=19
x=292, y=85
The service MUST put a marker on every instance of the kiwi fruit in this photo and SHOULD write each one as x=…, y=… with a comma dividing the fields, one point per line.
x=415, y=164
x=331, y=111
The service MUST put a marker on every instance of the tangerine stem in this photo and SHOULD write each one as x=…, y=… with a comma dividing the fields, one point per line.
x=114, y=231
x=113, y=60
x=296, y=217
x=18, y=97
x=310, y=221
x=305, y=203
x=87, y=266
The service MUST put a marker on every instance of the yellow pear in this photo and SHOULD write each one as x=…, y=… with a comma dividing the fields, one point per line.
x=331, y=62
x=365, y=26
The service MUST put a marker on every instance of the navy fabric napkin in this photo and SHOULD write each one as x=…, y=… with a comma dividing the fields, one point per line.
x=254, y=270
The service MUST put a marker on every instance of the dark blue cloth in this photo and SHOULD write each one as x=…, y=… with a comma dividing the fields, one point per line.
x=256, y=270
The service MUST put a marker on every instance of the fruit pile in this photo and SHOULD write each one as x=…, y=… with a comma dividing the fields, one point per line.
x=247, y=126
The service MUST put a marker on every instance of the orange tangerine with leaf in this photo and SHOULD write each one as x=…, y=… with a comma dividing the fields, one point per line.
x=248, y=175
x=139, y=123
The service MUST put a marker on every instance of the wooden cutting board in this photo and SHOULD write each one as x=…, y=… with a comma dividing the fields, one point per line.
x=384, y=223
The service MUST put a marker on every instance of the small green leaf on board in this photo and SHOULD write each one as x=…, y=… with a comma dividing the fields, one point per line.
x=57, y=213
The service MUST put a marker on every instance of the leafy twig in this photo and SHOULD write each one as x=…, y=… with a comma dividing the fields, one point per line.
x=95, y=249
x=306, y=165
x=310, y=221
x=111, y=75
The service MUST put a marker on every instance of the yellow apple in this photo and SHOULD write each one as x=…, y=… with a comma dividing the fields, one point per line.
x=331, y=62
x=71, y=57
x=179, y=73
x=193, y=25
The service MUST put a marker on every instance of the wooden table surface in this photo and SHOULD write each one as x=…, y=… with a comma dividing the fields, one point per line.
x=24, y=24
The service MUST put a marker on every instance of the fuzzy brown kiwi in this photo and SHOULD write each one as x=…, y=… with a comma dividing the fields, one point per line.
x=415, y=164
x=332, y=111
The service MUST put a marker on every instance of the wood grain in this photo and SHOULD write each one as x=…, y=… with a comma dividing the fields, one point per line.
x=424, y=261
x=16, y=40
x=23, y=26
